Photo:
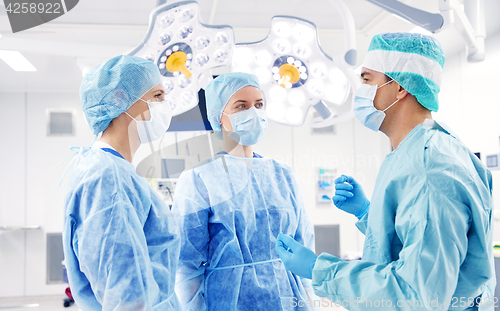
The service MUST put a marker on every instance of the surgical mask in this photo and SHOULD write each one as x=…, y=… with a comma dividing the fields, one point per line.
x=154, y=128
x=364, y=109
x=249, y=125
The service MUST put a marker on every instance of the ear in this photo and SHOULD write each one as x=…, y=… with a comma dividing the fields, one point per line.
x=402, y=93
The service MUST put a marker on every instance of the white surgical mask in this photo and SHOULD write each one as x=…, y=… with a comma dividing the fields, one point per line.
x=154, y=128
x=364, y=109
x=249, y=125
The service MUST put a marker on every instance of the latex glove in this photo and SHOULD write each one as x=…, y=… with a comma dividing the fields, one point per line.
x=297, y=258
x=350, y=197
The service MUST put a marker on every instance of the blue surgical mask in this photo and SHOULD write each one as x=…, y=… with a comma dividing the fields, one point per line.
x=154, y=128
x=248, y=125
x=364, y=109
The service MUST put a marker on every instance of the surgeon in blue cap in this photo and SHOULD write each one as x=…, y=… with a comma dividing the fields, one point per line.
x=121, y=243
x=232, y=208
x=428, y=225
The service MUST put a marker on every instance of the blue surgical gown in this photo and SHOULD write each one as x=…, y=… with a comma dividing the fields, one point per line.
x=428, y=242
x=121, y=243
x=231, y=211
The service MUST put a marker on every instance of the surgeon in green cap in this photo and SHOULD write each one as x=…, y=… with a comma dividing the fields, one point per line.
x=428, y=226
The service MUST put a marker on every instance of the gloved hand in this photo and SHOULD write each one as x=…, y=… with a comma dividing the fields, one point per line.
x=350, y=197
x=297, y=258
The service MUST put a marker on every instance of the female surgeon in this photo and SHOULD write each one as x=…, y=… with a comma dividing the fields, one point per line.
x=231, y=210
x=121, y=244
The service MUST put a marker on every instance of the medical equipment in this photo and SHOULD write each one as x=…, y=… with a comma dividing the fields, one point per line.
x=185, y=51
x=493, y=161
x=469, y=21
x=326, y=176
x=166, y=189
x=296, y=74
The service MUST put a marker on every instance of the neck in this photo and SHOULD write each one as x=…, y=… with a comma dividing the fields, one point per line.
x=234, y=149
x=119, y=137
x=400, y=122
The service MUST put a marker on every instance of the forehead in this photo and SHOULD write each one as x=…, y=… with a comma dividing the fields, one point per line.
x=368, y=72
x=247, y=93
x=158, y=87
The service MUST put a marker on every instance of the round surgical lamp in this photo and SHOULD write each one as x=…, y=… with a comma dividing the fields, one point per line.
x=185, y=51
x=295, y=74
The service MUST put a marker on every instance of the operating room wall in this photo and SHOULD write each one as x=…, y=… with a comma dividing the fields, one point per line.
x=470, y=105
x=29, y=195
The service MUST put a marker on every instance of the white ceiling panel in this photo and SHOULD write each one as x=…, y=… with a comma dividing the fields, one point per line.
x=94, y=29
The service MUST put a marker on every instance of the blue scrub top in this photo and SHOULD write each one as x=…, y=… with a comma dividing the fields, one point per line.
x=231, y=209
x=428, y=232
x=121, y=243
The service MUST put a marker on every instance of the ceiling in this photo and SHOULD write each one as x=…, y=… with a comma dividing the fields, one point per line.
x=237, y=13
x=96, y=30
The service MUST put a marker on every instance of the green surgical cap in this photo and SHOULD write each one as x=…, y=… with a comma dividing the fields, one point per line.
x=413, y=60
x=112, y=87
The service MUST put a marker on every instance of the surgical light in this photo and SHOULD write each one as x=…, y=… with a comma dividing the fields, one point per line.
x=221, y=39
x=263, y=74
x=282, y=46
x=184, y=50
x=166, y=21
x=297, y=98
x=298, y=71
x=278, y=94
x=294, y=116
x=303, y=34
x=263, y=58
x=282, y=30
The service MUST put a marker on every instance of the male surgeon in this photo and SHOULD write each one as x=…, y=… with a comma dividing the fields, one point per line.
x=428, y=228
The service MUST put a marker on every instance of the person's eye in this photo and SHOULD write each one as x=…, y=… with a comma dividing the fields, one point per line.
x=259, y=105
x=242, y=106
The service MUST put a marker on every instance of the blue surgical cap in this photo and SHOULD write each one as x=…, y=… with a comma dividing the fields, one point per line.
x=413, y=60
x=221, y=89
x=112, y=87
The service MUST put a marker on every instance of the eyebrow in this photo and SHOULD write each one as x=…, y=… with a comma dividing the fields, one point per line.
x=246, y=101
x=364, y=73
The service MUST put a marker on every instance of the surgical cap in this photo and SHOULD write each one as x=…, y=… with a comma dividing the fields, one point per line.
x=112, y=87
x=221, y=89
x=413, y=60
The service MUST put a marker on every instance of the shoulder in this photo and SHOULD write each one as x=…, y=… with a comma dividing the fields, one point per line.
x=452, y=168
x=443, y=151
x=95, y=168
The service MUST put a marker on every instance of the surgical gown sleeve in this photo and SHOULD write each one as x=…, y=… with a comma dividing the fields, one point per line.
x=191, y=205
x=362, y=223
x=432, y=222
